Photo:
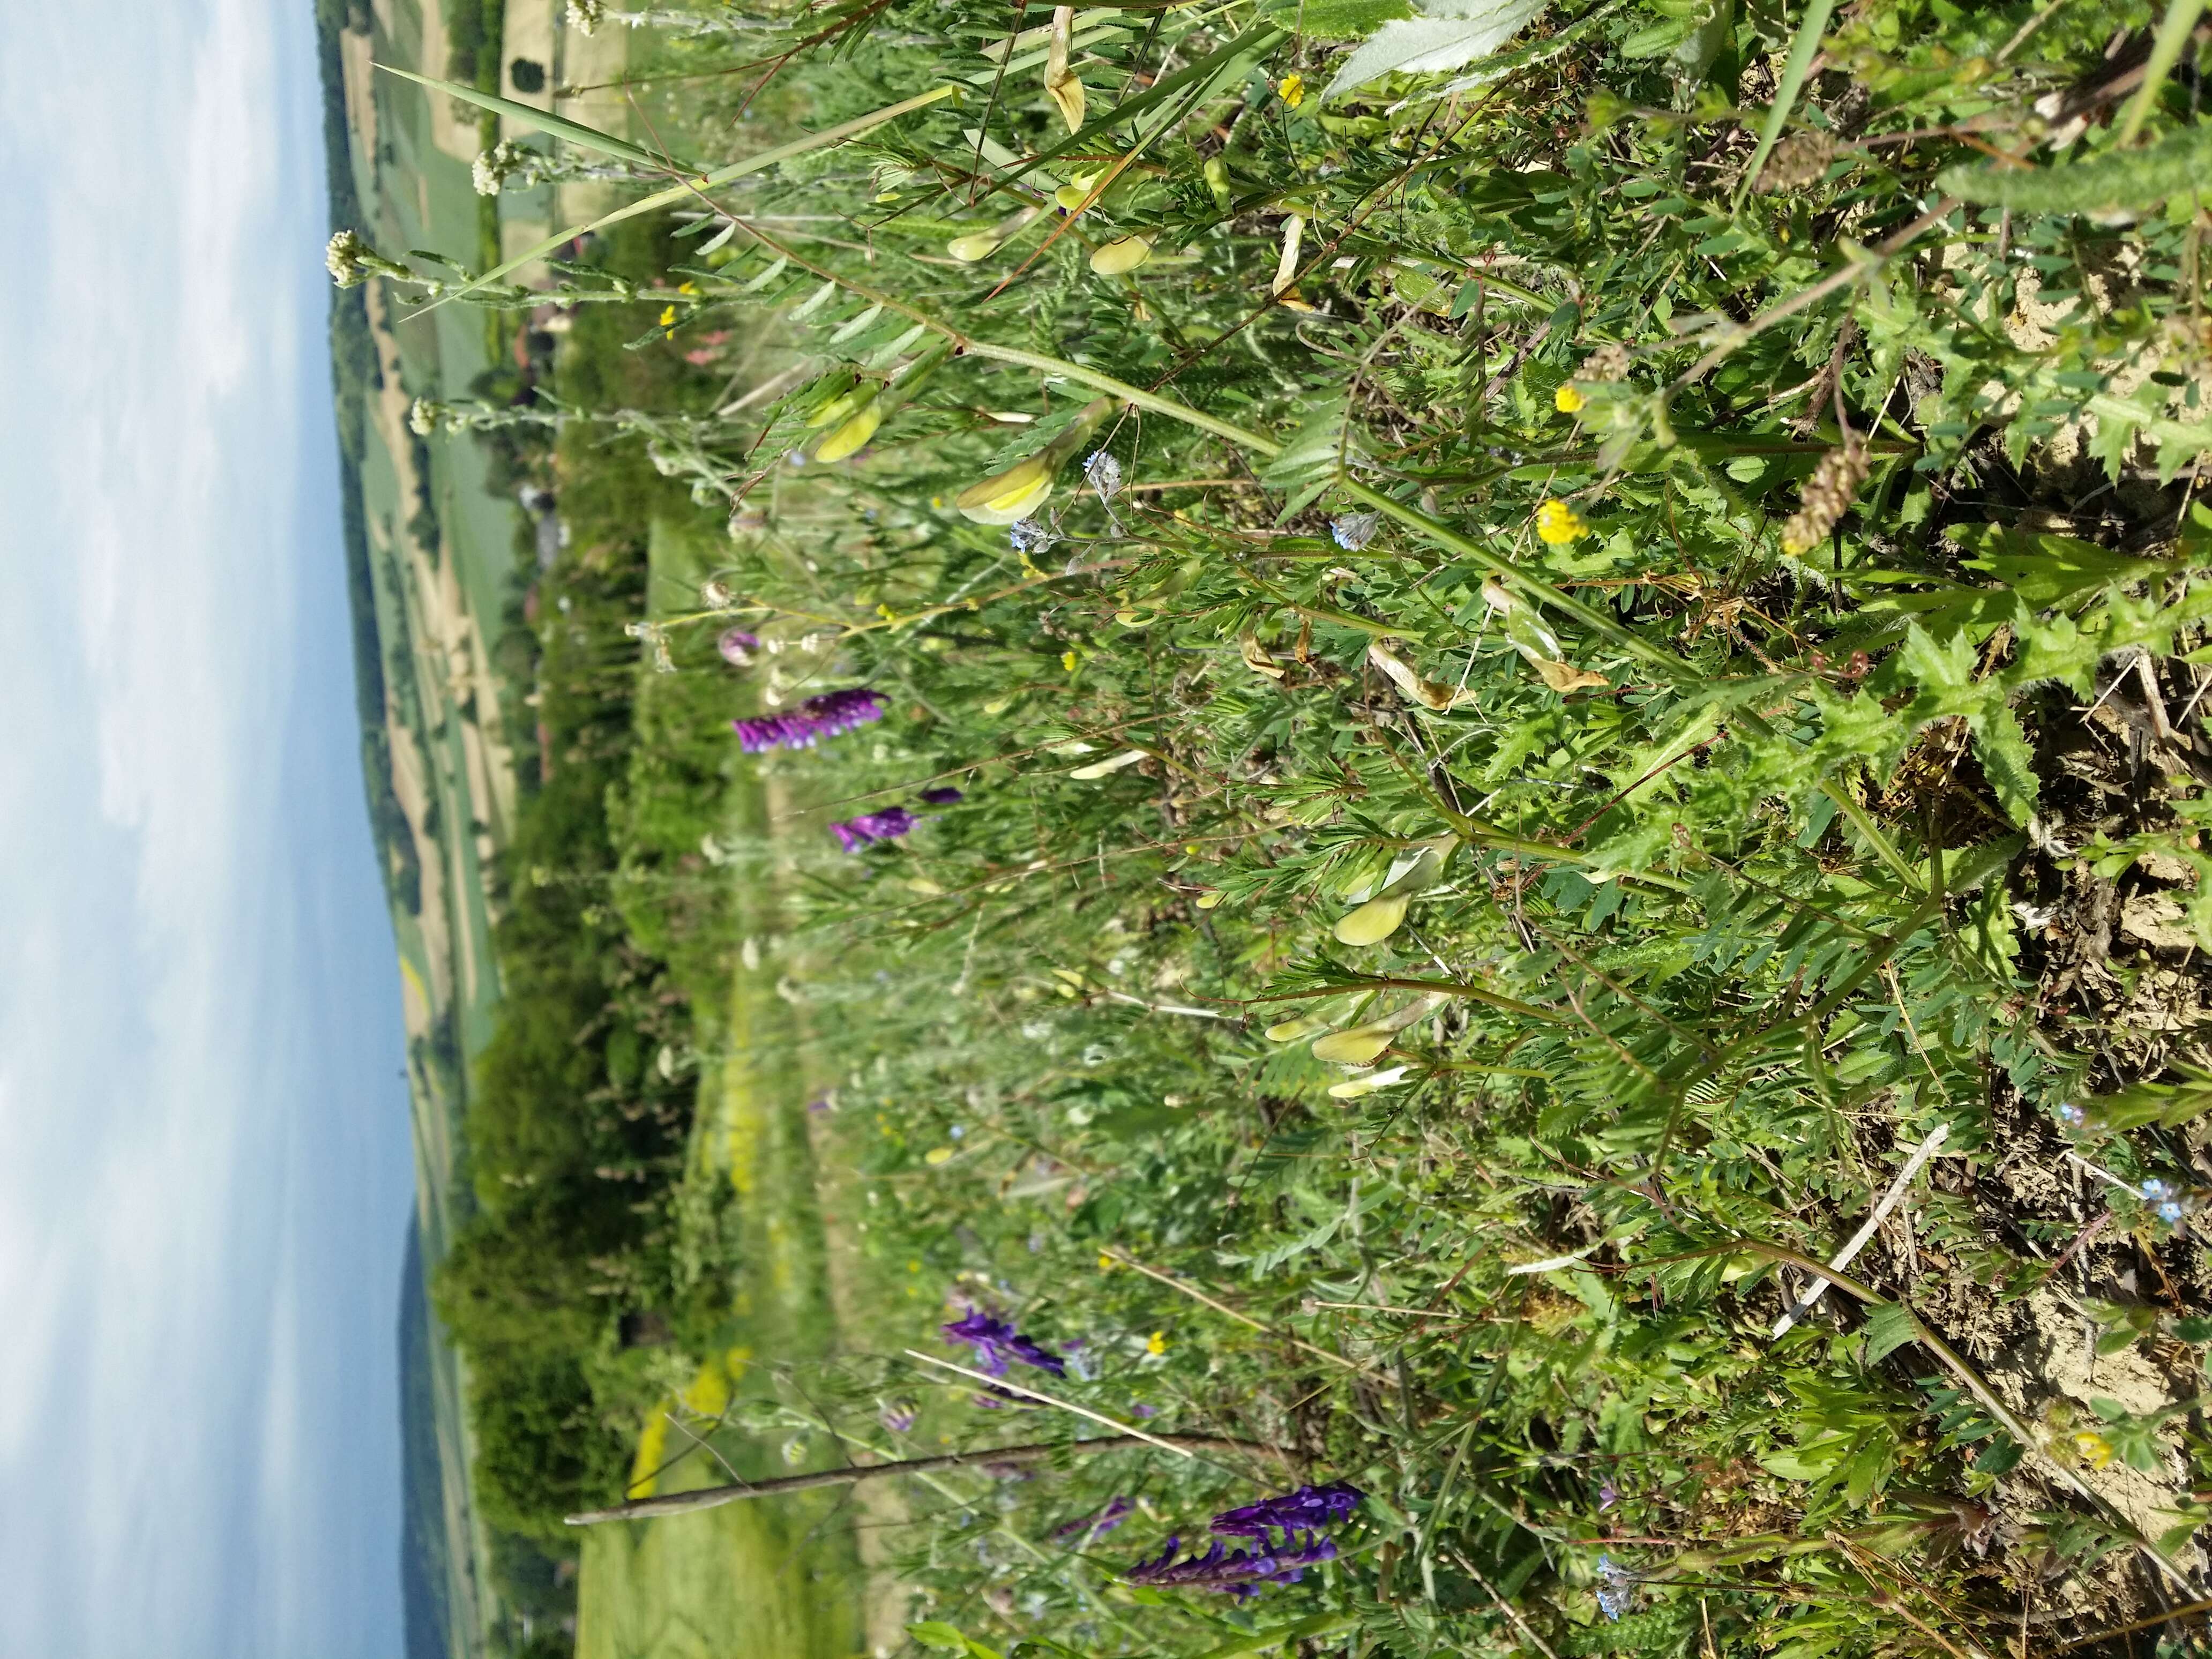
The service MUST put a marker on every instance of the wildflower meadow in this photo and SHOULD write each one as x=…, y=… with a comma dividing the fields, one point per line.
x=1478, y=878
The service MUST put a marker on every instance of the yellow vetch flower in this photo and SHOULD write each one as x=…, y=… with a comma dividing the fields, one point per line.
x=1567, y=400
x=687, y=288
x=1008, y=496
x=667, y=315
x=1558, y=523
x=1293, y=88
x=849, y=437
x=1068, y=660
x=977, y=245
x=2096, y=1450
x=1123, y=255
x=1157, y=1344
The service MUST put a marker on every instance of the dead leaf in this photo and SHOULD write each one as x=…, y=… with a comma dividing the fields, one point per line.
x=1429, y=693
x=1563, y=677
x=1256, y=657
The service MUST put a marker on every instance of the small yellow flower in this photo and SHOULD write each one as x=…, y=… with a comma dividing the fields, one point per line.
x=1558, y=523
x=667, y=316
x=938, y=1155
x=2096, y=1450
x=1105, y=1262
x=886, y=613
x=1068, y=660
x=687, y=288
x=1567, y=400
x=1293, y=88
x=1157, y=1344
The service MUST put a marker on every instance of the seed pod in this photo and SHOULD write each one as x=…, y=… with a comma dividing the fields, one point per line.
x=1798, y=162
x=1607, y=364
x=1827, y=497
x=1217, y=182
x=1122, y=256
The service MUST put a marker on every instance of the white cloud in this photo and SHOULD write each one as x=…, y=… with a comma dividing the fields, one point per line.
x=203, y=1170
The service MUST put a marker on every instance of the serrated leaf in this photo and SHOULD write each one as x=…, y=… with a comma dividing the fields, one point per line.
x=1340, y=19
x=1888, y=1328
x=1312, y=458
x=1451, y=35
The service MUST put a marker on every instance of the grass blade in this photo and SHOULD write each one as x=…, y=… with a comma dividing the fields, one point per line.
x=2174, y=32
x=690, y=189
x=574, y=132
x=1802, y=52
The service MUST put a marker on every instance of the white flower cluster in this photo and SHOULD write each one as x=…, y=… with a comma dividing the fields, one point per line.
x=502, y=161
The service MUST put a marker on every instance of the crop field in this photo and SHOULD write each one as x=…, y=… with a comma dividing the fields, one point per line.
x=1460, y=903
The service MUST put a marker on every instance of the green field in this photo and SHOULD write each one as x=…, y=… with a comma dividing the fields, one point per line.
x=781, y=1576
x=744, y=1579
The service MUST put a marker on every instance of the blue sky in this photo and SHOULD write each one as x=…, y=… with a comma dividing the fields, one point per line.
x=205, y=1174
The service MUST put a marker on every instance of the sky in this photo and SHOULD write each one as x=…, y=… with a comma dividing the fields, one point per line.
x=204, y=1170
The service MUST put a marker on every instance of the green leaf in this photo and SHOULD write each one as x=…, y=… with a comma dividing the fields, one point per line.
x=2119, y=180
x=1454, y=33
x=934, y=1634
x=1312, y=457
x=1338, y=20
x=1888, y=1328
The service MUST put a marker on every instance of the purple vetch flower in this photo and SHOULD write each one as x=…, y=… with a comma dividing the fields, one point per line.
x=825, y=716
x=940, y=797
x=737, y=646
x=1608, y=1493
x=1239, y=1572
x=995, y=1342
x=870, y=828
x=1099, y=1525
x=1304, y=1511
x=899, y=1416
